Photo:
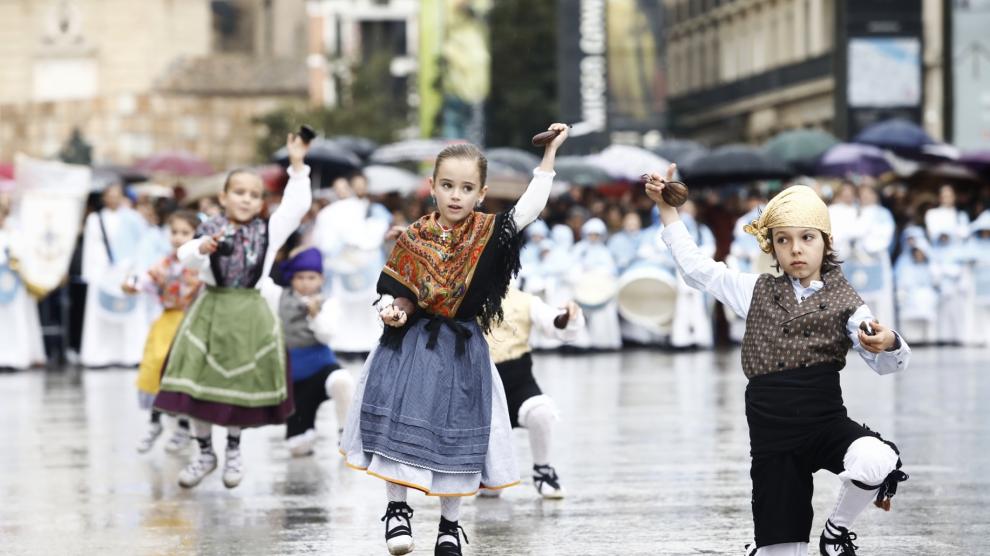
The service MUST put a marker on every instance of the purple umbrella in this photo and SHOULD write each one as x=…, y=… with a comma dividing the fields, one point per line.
x=977, y=160
x=850, y=158
x=895, y=134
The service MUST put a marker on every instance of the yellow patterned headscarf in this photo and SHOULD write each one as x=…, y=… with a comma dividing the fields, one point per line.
x=797, y=206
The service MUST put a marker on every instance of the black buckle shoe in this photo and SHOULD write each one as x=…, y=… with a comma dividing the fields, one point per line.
x=398, y=539
x=547, y=482
x=447, y=548
x=843, y=541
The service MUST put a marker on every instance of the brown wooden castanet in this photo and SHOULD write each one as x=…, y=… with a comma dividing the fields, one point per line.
x=544, y=138
x=674, y=193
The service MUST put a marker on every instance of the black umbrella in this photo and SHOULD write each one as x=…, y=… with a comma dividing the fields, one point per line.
x=518, y=159
x=577, y=170
x=680, y=151
x=735, y=163
x=361, y=146
x=328, y=159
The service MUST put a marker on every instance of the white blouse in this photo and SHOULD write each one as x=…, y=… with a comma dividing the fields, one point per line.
x=735, y=290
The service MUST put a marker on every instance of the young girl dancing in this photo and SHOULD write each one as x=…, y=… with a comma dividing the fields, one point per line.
x=227, y=365
x=429, y=412
x=175, y=286
x=799, y=328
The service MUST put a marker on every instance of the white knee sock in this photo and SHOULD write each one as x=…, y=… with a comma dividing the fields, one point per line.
x=869, y=461
x=201, y=429
x=450, y=509
x=395, y=493
x=539, y=422
x=784, y=549
x=340, y=388
x=233, y=438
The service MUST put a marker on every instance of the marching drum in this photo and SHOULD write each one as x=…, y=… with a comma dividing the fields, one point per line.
x=647, y=297
x=595, y=289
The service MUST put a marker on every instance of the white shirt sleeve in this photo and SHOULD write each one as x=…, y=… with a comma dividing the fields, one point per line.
x=296, y=201
x=543, y=314
x=731, y=287
x=882, y=363
x=190, y=256
x=270, y=292
x=324, y=324
x=534, y=199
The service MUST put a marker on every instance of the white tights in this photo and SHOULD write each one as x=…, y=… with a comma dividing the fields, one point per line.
x=450, y=506
x=203, y=429
x=538, y=415
x=340, y=389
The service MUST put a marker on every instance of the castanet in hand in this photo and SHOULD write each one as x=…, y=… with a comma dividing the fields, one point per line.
x=544, y=138
x=674, y=193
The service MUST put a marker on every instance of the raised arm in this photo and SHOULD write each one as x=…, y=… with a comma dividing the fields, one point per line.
x=531, y=203
x=731, y=287
x=296, y=200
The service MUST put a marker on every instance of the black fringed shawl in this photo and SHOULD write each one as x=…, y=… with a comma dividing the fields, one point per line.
x=462, y=276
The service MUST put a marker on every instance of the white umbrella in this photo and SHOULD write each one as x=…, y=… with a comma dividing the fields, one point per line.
x=389, y=179
x=627, y=162
x=152, y=189
x=199, y=188
x=413, y=150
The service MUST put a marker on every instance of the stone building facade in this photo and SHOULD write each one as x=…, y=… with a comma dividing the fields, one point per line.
x=138, y=78
x=743, y=70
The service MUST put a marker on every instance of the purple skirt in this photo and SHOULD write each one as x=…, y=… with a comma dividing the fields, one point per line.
x=226, y=415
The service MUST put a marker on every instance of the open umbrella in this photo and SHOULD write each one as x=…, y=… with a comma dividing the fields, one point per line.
x=7, y=177
x=413, y=150
x=977, y=160
x=152, y=189
x=199, y=188
x=845, y=159
x=895, y=134
x=736, y=163
x=679, y=151
x=517, y=158
x=944, y=172
x=175, y=163
x=578, y=171
x=106, y=174
x=361, y=146
x=800, y=148
x=626, y=162
x=328, y=160
x=505, y=182
x=389, y=179
x=274, y=177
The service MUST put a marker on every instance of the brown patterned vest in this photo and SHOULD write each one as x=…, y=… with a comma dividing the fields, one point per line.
x=782, y=334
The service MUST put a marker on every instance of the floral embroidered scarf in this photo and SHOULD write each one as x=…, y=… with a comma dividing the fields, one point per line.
x=438, y=266
x=180, y=284
x=243, y=266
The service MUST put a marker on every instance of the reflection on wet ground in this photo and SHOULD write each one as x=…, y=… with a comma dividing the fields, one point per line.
x=652, y=450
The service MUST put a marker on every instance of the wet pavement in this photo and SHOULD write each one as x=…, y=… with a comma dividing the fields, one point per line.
x=652, y=450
